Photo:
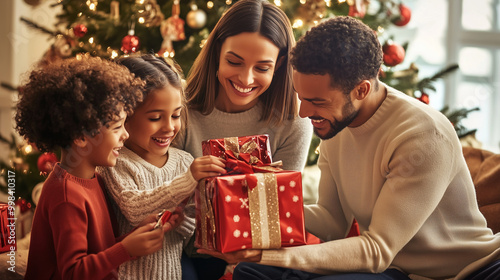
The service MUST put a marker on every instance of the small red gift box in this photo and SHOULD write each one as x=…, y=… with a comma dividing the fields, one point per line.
x=244, y=211
x=7, y=228
x=252, y=149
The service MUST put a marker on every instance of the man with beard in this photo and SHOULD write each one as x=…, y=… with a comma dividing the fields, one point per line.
x=387, y=160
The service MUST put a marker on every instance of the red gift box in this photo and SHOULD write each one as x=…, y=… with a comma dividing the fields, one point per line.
x=244, y=211
x=7, y=228
x=252, y=149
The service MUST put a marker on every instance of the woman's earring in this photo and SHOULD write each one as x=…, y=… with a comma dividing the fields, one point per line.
x=217, y=74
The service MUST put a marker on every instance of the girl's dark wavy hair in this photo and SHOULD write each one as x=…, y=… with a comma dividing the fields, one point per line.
x=72, y=98
x=157, y=72
x=279, y=100
x=343, y=47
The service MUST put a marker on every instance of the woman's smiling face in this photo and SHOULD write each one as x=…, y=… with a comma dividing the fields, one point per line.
x=246, y=68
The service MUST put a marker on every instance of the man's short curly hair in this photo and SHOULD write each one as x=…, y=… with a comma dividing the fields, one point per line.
x=66, y=100
x=343, y=47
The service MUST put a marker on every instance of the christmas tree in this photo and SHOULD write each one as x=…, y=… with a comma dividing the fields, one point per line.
x=175, y=28
x=30, y=168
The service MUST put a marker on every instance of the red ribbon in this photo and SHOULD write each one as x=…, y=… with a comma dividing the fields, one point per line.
x=240, y=164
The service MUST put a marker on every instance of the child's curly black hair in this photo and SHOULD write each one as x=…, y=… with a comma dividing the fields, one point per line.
x=343, y=47
x=66, y=100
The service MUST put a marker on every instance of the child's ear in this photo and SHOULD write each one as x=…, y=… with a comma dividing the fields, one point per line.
x=81, y=142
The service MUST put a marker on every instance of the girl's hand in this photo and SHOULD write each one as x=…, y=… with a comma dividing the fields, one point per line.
x=207, y=166
x=250, y=255
x=176, y=218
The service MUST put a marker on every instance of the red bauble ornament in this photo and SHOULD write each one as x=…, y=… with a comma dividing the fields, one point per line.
x=358, y=8
x=46, y=162
x=353, y=12
x=80, y=30
x=23, y=204
x=394, y=53
x=424, y=98
x=405, y=15
x=130, y=43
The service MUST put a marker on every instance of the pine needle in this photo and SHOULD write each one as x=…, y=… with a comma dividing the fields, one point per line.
x=426, y=83
x=39, y=27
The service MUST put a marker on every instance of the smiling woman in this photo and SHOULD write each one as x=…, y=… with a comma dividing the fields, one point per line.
x=240, y=85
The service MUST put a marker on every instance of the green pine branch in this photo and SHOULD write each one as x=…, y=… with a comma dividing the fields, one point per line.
x=39, y=27
x=427, y=83
x=8, y=86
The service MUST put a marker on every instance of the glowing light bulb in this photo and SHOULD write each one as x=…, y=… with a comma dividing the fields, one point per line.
x=297, y=23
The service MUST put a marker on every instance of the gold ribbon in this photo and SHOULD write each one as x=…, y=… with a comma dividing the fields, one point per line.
x=206, y=212
x=264, y=212
x=232, y=144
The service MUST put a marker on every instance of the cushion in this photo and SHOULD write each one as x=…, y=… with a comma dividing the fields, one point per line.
x=484, y=167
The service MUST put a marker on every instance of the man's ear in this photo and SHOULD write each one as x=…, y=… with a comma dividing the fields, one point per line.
x=279, y=62
x=362, y=89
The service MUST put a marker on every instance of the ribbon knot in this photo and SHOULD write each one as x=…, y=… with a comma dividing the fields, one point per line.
x=239, y=160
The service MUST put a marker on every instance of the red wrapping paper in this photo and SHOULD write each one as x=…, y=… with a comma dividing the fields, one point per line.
x=224, y=207
x=261, y=151
x=7, y=228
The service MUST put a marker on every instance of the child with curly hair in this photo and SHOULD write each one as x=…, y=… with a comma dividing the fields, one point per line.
x=150, y=175
x=80, y=107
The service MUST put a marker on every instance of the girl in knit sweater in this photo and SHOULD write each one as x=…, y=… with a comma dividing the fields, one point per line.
x=151, y=175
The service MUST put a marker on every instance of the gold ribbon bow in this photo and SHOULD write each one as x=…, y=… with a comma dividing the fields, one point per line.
x=231, y=144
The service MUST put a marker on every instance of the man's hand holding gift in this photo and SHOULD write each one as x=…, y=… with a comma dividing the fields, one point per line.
x=249, y=255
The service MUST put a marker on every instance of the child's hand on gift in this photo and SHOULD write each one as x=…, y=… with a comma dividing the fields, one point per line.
x=143, y=241
x=207, y=166
x=249, y=255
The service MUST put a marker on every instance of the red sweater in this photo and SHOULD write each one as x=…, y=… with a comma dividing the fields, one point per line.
x=72, y=235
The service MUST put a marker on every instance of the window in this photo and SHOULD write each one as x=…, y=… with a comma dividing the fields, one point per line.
x=474, y=42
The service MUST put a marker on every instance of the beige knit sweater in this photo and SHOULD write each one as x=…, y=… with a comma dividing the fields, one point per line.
x=403, y=177
x=138, y=189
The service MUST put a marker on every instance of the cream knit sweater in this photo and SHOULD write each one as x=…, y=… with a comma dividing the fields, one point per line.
x=403, y=177
x=138, y=189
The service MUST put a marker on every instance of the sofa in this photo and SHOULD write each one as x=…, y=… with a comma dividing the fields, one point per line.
x=484, y=167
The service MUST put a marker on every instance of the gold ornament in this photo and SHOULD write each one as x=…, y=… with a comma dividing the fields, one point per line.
x=196, y=18
x=150, y=14
x=312, y=11
x=114, y=10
